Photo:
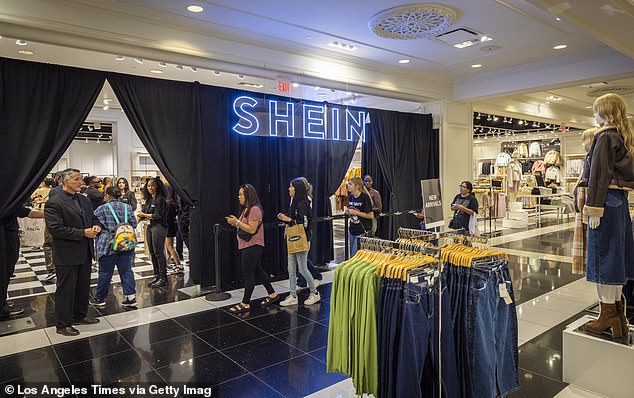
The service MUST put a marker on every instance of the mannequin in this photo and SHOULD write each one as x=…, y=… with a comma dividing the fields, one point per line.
x=609, y=174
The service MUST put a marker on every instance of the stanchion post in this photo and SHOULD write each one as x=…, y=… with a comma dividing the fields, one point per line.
x=218, y=294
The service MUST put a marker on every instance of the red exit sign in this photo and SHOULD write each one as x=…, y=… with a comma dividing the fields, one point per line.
x=284, y=87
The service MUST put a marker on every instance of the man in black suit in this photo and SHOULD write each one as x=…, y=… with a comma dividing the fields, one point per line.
x=70, y=219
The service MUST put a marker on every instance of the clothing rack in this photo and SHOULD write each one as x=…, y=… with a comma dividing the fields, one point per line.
x=409, y=233
x=377, y=244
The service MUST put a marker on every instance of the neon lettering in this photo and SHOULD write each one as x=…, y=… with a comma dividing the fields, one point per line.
x=248, y=123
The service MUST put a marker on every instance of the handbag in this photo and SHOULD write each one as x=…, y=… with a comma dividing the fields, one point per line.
x=245, y=236
x=296, y=241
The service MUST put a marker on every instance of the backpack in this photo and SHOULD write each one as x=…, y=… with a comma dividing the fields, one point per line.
x=123, y=237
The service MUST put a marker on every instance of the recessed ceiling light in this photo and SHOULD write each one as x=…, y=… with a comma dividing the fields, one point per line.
x=157, y=71
x=107, y=100
x=560, y=46
x=139, y=60
x=21, y=42
x=317, y=88
x=105, y=107
x=403, y=61
x=589, y=107
x=216, y=72
x=309, y=37
x=194, y=8
x=179, y=67
x=193, y=69
x=343, y=46
x=295, y=85
x=240, y=76
x=553, y=98
x=559, y=19
x=163, y=64
x=254, y=85
x=119, y=57
x=476, y=65
x=26, y=52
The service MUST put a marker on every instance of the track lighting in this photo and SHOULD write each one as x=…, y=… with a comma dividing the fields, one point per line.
x=478, y=117
x=489, y=118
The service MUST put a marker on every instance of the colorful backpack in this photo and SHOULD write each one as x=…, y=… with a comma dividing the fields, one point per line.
x=123, y=237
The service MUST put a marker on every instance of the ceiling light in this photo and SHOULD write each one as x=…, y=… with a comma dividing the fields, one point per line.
x=495, y=118
x=163, y=64
x=26, y=52
x=478, y=117
x=240, y=76
x=404, y=61
x=119, y=57
x=588, y=107
x=107, y=100
x=510, y=121
x=553, y=98
x=317, y=88
x=216, y=72
x=321, y=94
x=179, y=67
x=343, y=46
x=476, y=65
x=193, y=69
x=485, y=38
x=464, y=44
x=295, y=85
x=560, y=46
x=157, y=71
x=520, y=122
x=348, y=92
x=559, y=19
x=194, y=8
x=254, y=85
x=20, y=42
x=489, y=118
x=139, y=60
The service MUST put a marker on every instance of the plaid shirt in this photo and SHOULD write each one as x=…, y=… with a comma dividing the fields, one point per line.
x=108, y=224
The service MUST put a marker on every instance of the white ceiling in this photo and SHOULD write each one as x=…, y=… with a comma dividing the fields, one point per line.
x=286, y=40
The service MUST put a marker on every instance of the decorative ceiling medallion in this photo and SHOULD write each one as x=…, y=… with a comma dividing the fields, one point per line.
x=620, y=90
x=412, y=21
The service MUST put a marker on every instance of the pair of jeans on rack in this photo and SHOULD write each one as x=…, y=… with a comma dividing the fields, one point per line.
x=485, y=328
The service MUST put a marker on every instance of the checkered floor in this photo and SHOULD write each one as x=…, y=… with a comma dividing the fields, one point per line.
x=30, y=272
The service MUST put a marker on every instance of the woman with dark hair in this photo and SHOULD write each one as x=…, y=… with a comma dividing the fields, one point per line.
x=127, y=196
x=106, y=256
x=299, y=214
x=251, y=245
x=155, y=209
x=464, y=205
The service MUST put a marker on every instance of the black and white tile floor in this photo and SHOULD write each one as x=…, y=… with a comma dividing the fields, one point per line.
x=270, y=352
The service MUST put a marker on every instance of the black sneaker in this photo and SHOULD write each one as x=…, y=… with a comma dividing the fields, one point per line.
x=129, y=302
x=95, y=302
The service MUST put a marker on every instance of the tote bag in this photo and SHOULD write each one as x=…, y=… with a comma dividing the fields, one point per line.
x=296, y=241
x=31, y=231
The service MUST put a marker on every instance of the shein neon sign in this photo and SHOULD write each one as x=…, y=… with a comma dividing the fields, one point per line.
x=275, y=118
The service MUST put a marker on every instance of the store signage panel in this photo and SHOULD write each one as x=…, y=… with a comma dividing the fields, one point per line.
x=432, y=203
x=278, y=118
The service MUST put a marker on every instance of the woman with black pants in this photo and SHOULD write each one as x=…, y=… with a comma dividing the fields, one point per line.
x=155, y=209
x=251, y=245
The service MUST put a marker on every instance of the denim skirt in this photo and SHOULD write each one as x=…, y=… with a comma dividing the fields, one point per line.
x=610, y=258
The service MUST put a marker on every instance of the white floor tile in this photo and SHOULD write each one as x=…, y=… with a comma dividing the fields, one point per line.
x=529, y=330
x=575, y=392
x=559, y=303
x=579, y=295
x=583, y=286
x=343, y=389
x=185, y=307
x=24, y=285
x=50, y=288
x=236, y=297
x=84, y=331
x=137, y=317
x=540, y=316
x=12, y=344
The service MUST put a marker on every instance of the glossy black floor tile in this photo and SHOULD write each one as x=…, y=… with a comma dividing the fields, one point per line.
x=261, y=353
x=558, y=243
x=231, y=335
x=210, y=369
x=178, y=349
x=41, y=309
x=205, y=320
x=307, y=338
x=316, y=312
x=320, y=354
x=108, y=369
x=153, y=332
x=247, y=386
x=26, y=292
x=256, y=310
x=38, y=376
x=541, y=360
x=533, y=385
x=285, y=319
x=22, y=365
x=147, y=377
x=553, y=338
x=92, y=347
x=299, y=376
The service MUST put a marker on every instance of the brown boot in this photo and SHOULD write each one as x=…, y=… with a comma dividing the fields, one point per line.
x=620, y=311
x=608, y=318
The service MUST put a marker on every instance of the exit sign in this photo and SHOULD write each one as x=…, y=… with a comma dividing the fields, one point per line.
x=284, y=87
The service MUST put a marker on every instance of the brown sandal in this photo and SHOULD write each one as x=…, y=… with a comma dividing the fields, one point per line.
x=239, y=308
x=270, y=300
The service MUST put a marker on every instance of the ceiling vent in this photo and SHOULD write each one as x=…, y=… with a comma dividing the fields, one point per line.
x=413, y=21
x=462, y=37
x=620, y=90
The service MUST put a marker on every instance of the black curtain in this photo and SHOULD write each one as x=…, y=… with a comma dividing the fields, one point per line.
x=269, y=164
x=400, y=150
x=166, y=116
x=42, y=107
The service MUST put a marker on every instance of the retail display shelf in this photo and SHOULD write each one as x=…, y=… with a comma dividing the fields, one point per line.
x=594, y=363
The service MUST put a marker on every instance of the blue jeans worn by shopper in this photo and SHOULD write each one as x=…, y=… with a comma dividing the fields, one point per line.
x=123, y=261
x=301, y=281
x=353, y=241
x=491, y=333
x=421, y=356
x=295, y=261
x=611, y=246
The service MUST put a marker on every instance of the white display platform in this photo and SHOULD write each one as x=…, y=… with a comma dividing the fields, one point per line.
x=595, y=364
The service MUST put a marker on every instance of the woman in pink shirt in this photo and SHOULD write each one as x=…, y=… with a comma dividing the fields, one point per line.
x=251, y=245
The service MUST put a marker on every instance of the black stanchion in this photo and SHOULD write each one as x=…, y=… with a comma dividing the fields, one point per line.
x=218, y=294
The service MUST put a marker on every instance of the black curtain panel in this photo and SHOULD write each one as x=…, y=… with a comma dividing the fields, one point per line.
x=166, y=116
x=42, y=107
x=269, y=164
x=400, y=150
